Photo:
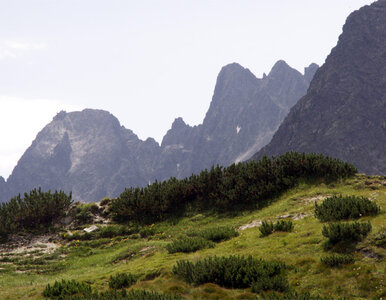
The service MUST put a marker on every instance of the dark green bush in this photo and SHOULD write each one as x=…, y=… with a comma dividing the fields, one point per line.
x=122, y=280
x=267, y=228
x=276, y=283
x=233, y=272
x=239, y=186
x=346, y=232
x=135, y=295
x=336, y=260
x=73, y=290
x=36, y=210
x=147, y=231
x=337, y=208
x=292, y=296
x=66, y=288
x=189, y=244
x=284, y=225
x=216, y=234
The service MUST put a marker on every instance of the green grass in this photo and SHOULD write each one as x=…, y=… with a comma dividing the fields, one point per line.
x=148, y=260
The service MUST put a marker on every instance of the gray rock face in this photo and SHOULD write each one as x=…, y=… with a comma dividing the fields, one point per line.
x=92, y=155
x=244, y=113
x=343, y=112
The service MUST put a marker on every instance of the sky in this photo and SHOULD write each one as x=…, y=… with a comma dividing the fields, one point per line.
x=147, y=62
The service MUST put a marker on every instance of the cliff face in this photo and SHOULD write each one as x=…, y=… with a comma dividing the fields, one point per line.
x=92, y=155
x=87, y=152
x=343, y=112
x=244, y=113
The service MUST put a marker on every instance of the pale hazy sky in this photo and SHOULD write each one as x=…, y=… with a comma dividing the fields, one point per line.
x=147, y=62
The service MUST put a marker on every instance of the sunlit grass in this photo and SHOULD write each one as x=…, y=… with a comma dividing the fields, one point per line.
x=300, y=249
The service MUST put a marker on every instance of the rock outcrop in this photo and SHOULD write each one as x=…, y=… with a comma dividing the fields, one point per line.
x=343, y=113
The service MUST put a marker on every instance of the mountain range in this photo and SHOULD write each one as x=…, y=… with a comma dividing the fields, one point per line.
x=92, y=155
x=341, y=113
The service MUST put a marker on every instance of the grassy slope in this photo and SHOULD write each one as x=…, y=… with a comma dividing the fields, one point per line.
x=300, y=250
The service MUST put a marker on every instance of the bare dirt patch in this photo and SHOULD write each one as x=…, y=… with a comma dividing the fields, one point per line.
x=29, y=244
x=252, y=224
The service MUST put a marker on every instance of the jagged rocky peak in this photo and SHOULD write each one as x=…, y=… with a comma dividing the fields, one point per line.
x=180, y=134
x=234, y=76
x=178, y=123
x=343, y=113
x=280, y=68
x=91, y=154
x=310, y=71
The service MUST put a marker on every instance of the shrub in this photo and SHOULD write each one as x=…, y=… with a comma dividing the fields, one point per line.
x=73, y=290
x=189, y=244
x=346, y=232
x=267, y=228
x=335, y=260
x=233, y=272
x=217, y=234
x=283, y=225
x=36, y=210
x=122, y=280
x=239, y=186
x=147, y=231
x=337, y=208
x=293, y=296
x=134, y=295
x=67, y=288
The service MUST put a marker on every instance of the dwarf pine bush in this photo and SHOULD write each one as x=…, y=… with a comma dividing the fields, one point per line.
x=66, y=288
x=110, y=294
x=292, y=295
x=189, y=244
x=37, y=209
x=336, y=260
x=340, y=207
x=216, y=234
x=240, y=186
x=234, y=272
x=267, y=228
x=121, y=280
x=346, y=232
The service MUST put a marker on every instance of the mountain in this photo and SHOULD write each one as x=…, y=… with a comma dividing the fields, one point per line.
x=92, y=155
x=244, y=113
x=343, y=113
x=87, y=152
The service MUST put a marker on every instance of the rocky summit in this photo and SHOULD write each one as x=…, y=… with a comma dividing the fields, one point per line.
x=343, y=113
x=92, y=155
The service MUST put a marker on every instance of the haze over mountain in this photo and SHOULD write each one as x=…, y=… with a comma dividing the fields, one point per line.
x=343, y=113
x=92, y=155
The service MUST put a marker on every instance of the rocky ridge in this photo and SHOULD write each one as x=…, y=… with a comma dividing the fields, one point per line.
x=92, y=155
x=343, y=113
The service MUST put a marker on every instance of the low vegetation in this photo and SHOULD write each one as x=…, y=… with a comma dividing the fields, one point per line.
x=267, y=228
x=66, y=253
x=340, y=207
x=216, y=234
x=122, y=280
x=74, y=290
x=337, y=260
x=189, y=244
x=37, y=210
x=346, y=232
x=234, y=272
x=237, y=187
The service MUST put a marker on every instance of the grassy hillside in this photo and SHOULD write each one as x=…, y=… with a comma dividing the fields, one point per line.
x=25, y=272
